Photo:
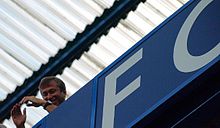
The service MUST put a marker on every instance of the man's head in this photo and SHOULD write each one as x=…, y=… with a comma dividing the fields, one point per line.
x=53, y=89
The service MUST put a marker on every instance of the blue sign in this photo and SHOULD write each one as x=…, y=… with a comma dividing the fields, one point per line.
x=150, y=73
x=159, y=66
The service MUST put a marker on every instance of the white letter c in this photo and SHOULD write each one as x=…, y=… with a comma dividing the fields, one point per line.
x=183, y=60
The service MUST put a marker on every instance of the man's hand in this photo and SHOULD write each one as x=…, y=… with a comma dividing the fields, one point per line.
x=32, y=101
x=18, y=118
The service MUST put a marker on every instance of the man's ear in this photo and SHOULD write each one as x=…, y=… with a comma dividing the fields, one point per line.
x=64, y=92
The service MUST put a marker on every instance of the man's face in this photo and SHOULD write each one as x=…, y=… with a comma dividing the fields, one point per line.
x=51, y=92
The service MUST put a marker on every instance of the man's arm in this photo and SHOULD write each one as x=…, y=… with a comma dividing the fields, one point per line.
x=36, y=102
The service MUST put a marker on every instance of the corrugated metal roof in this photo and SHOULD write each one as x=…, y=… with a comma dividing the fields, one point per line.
x=33, y=31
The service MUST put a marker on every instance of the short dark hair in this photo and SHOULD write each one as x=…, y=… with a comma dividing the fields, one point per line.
x=47, y=79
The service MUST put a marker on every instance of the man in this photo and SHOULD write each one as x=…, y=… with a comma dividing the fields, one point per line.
x=53, y=91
